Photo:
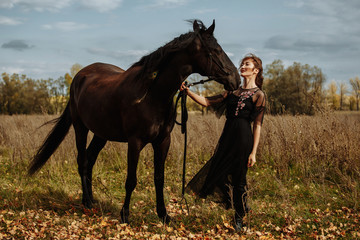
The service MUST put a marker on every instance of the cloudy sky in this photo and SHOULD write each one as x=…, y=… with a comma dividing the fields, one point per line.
x=44, y=38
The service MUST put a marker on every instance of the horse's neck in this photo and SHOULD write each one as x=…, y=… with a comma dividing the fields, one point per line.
x=169, y=79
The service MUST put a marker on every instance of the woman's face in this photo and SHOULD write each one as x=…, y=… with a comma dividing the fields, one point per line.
x=247, y=68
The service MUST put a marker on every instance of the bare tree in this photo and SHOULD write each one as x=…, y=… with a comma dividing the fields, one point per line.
x=343, y=91
x=355, y=84
x=333, y=98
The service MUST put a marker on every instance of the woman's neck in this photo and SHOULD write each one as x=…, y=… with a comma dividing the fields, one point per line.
x=249, y=83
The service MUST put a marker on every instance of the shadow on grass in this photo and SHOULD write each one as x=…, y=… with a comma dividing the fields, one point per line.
x=57, y=201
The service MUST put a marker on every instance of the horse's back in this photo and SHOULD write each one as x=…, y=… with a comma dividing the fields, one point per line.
x=100, y=71
x=102, y=68
x=97, y=75
x=98, y=97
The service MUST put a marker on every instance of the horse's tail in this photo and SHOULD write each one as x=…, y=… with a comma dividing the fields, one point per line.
x=52, y=141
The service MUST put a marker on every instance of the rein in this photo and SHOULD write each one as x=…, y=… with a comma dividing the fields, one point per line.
x=213, y=60
x=183, y=123
x=200, y=82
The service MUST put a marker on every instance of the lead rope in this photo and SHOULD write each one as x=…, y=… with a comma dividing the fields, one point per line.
x=184, y=117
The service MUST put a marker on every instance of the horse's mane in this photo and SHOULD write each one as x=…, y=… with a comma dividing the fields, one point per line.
x=154, y=61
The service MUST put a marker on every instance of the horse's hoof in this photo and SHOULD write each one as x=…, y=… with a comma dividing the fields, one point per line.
x=166, y=219
x=238, y=225
x=124, y=220
x=124, y=217
x=87, y=204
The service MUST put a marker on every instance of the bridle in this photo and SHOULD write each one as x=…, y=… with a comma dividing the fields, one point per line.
x=211, y=58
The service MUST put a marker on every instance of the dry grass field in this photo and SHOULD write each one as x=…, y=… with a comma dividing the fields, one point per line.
x=305, y=184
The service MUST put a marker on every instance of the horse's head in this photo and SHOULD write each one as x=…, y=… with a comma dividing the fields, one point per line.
x=210, y=59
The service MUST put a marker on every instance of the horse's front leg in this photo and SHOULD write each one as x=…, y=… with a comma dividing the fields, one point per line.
x=134, y=148
x=160, y=153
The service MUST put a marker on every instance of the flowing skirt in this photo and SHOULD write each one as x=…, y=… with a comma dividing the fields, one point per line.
x=228, y=166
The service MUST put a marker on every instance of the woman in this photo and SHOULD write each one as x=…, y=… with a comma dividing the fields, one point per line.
x=237, y=146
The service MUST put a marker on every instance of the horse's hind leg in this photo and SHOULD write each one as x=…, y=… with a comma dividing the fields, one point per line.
x=81, y=133
x=134, y=148
x=160, y=153
x=92, y=153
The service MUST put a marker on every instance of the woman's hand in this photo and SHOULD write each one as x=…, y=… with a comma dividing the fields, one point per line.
x=184, y=87
x=197, y=98
x=252, y=160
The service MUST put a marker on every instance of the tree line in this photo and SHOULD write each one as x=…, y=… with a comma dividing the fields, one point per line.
x=22, y=95
x=299, y=89
x=296, y=89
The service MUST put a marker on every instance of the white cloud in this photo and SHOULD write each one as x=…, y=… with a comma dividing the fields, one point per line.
x=343, y=12
x=230, y=54
x=319, y=43
x=130, y=55
x=57, y=5
x=12, y=70
x=103, y=5
x=166, y=3
x=36, y=69
x=37, y=5
x=325, y=28
x=170, y=2
x=295, y=3
x=7, y=3
x=204, y=11
x=9, y=21
x=66, y=26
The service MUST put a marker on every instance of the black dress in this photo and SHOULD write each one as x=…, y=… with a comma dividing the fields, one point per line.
x=228, y=165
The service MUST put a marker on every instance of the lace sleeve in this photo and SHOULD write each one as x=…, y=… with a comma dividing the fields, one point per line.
x=217, y=104
x=260, y=102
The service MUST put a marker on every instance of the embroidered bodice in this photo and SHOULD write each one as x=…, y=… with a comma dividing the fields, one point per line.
x=241, y=103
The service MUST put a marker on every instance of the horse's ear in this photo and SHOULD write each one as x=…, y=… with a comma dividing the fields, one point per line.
x=196, y=26
x=210, y=30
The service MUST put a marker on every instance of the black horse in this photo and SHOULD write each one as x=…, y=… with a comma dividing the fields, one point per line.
x=135, y=106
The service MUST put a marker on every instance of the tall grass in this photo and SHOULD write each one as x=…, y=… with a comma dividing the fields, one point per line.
x=315, y=150
x=303, y=160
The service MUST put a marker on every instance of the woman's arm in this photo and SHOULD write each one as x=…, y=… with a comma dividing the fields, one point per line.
x=259, y=112
x=197, y=98
x=256, y=133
